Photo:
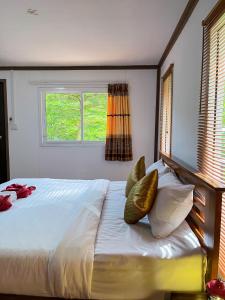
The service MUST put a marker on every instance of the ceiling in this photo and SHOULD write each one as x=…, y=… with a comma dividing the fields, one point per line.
x=86, y=32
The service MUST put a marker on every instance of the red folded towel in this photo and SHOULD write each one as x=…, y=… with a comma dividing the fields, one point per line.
x=5, y=203
x=22, y=191
x=216, y=288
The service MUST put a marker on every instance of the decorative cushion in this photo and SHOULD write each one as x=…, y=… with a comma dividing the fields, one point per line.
x=137, y=172
x=141, y=198
x=159, y=165
x=173, y=203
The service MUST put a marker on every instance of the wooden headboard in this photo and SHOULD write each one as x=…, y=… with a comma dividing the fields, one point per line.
x=205, y=216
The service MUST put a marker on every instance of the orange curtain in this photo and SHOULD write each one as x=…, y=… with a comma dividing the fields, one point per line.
x=118, y=137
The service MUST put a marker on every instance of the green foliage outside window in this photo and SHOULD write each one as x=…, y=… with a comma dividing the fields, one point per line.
x=64, y=119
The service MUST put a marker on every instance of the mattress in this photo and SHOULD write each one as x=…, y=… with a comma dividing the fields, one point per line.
x=47, y=240
x=131, y=264
x=128, y=262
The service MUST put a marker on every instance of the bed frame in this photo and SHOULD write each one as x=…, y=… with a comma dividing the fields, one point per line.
x=204, y=218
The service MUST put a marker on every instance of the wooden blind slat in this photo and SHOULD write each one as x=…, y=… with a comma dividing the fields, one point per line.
x=166, y=111
x=211, y=133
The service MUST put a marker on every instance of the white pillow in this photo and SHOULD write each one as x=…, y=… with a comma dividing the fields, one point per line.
x=173, y=203
x=159, y=165
x=168, y=179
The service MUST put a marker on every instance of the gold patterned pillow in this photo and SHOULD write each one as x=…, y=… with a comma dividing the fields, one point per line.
x=141, y=198
x=137, y=172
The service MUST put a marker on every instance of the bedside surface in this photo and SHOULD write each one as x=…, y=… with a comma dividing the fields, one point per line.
x=188, y=296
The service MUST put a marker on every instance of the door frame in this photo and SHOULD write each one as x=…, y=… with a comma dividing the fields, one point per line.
x=3, y=81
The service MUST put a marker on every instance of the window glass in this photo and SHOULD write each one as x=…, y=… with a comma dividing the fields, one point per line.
x=94, y=116
x=63, y=117
x=74, y=116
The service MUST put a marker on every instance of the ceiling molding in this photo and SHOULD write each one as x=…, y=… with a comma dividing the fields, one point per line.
x=180, y=26
x=59, y=68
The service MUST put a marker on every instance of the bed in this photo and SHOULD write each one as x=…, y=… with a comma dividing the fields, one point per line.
x=113, y=260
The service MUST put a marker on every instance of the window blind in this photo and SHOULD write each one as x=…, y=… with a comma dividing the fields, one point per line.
x=166, y=111
x=211, y=144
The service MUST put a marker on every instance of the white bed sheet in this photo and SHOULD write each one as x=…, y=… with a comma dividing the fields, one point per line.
x=47, y=240
x=131, y=264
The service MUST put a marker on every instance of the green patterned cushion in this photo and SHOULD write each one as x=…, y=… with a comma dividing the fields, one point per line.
x=137, y=172
x=141, y=198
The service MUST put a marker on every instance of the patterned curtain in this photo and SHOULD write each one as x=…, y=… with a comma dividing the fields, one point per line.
x=118, y=138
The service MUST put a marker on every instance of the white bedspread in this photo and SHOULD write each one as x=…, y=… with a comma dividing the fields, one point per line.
x=131, y=264
x=47, y=246
x=47, y=240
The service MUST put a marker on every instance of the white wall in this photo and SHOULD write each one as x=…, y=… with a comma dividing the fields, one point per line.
x=29, y=159
x=186, y=56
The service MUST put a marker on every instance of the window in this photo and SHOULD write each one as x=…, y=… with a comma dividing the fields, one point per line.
x=211, y=145
x=73, y=116
x=166, y=111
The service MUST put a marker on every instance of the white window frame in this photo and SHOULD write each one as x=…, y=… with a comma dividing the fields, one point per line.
x=42, y=91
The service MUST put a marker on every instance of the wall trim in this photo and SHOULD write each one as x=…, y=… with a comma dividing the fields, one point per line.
x=179, y=28
x=63, y=68
x=169, y=70
x=215, y=13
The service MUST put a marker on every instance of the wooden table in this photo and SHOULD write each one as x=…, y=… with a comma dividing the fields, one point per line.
x=188, y=296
